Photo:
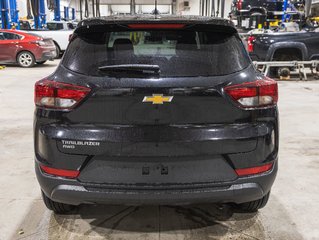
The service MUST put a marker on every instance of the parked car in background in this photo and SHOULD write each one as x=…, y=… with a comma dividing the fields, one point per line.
x=255, y=7
x=59, y=31
x=24, y=48
x=284, y=46
x=262, y=7
x=166, y=110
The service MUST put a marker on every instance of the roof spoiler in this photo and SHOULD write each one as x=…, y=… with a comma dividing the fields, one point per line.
x=104, y=26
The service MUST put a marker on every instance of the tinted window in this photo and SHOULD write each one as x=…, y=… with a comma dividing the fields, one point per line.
x=11, y=36
x=55, y=26
x=177, y=53
x=1, y=36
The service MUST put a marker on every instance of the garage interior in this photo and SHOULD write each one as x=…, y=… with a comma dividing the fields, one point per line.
x=292, y=211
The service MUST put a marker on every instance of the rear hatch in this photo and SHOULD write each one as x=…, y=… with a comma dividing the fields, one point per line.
x=156, y=107
x=156, y=76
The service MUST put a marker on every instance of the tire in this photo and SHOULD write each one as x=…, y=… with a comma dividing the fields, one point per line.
x=59, y=208
x=25, y=59
x=42, y=62
x=253, y=206
x=57, y=50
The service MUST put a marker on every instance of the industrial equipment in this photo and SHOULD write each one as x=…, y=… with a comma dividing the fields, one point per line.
x=9, y=14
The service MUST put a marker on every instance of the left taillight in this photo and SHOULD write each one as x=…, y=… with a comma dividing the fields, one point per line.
x=60, y=172
x=39, y=42
x=57, y=95
x=260, y=93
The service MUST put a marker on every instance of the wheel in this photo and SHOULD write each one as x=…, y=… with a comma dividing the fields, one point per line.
x=284, y=73
x=256, y=14
x=59, y=208
x=41, y=62
x=253, y=206
x=57, y=50
x=25, y=59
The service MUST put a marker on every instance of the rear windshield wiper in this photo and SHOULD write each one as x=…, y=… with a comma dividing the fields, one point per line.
x=138, y=68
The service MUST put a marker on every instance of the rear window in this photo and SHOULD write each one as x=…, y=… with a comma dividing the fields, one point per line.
x=178, y=53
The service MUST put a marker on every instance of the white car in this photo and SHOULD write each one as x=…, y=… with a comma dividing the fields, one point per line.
x=59, y=31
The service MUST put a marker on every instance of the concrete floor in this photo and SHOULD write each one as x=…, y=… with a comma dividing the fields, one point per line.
x=292, y=212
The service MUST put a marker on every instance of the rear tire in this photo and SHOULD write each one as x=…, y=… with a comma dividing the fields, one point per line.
x=26, y=59
x=253, y=206
x=59, y=208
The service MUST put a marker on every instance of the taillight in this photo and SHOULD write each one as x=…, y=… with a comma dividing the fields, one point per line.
x=260, y=93
x=58, y=95
x=60, y=172
x=254, y=170
x=250, y=43
x=39, y=42
x=239, y=4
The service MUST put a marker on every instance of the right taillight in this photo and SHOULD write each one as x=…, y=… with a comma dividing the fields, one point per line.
x=254, y=170
x=250, y=43
x=58, y=95
x=260, y=93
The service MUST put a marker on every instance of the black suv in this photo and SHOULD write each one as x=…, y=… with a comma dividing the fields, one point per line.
x=155, y=110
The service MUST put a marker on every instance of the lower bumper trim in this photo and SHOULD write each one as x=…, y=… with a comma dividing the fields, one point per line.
x=78, y=194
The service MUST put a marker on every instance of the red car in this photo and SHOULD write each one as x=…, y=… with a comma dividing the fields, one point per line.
x=26, y=49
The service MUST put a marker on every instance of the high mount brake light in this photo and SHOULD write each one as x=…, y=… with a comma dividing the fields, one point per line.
x=156, y=26
x=58, y=95
x=260, y=93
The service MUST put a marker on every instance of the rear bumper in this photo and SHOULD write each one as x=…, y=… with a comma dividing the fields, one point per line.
x=74, y=192
x=43, y=53
x=48, y=55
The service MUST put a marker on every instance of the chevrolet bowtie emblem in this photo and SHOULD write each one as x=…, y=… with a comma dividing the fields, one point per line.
x=158, y=99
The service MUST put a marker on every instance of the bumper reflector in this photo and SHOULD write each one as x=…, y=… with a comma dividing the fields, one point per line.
x=254, y=170
x=60, y=172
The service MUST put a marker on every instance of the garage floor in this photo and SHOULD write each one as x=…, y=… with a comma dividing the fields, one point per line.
x=292, y=212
